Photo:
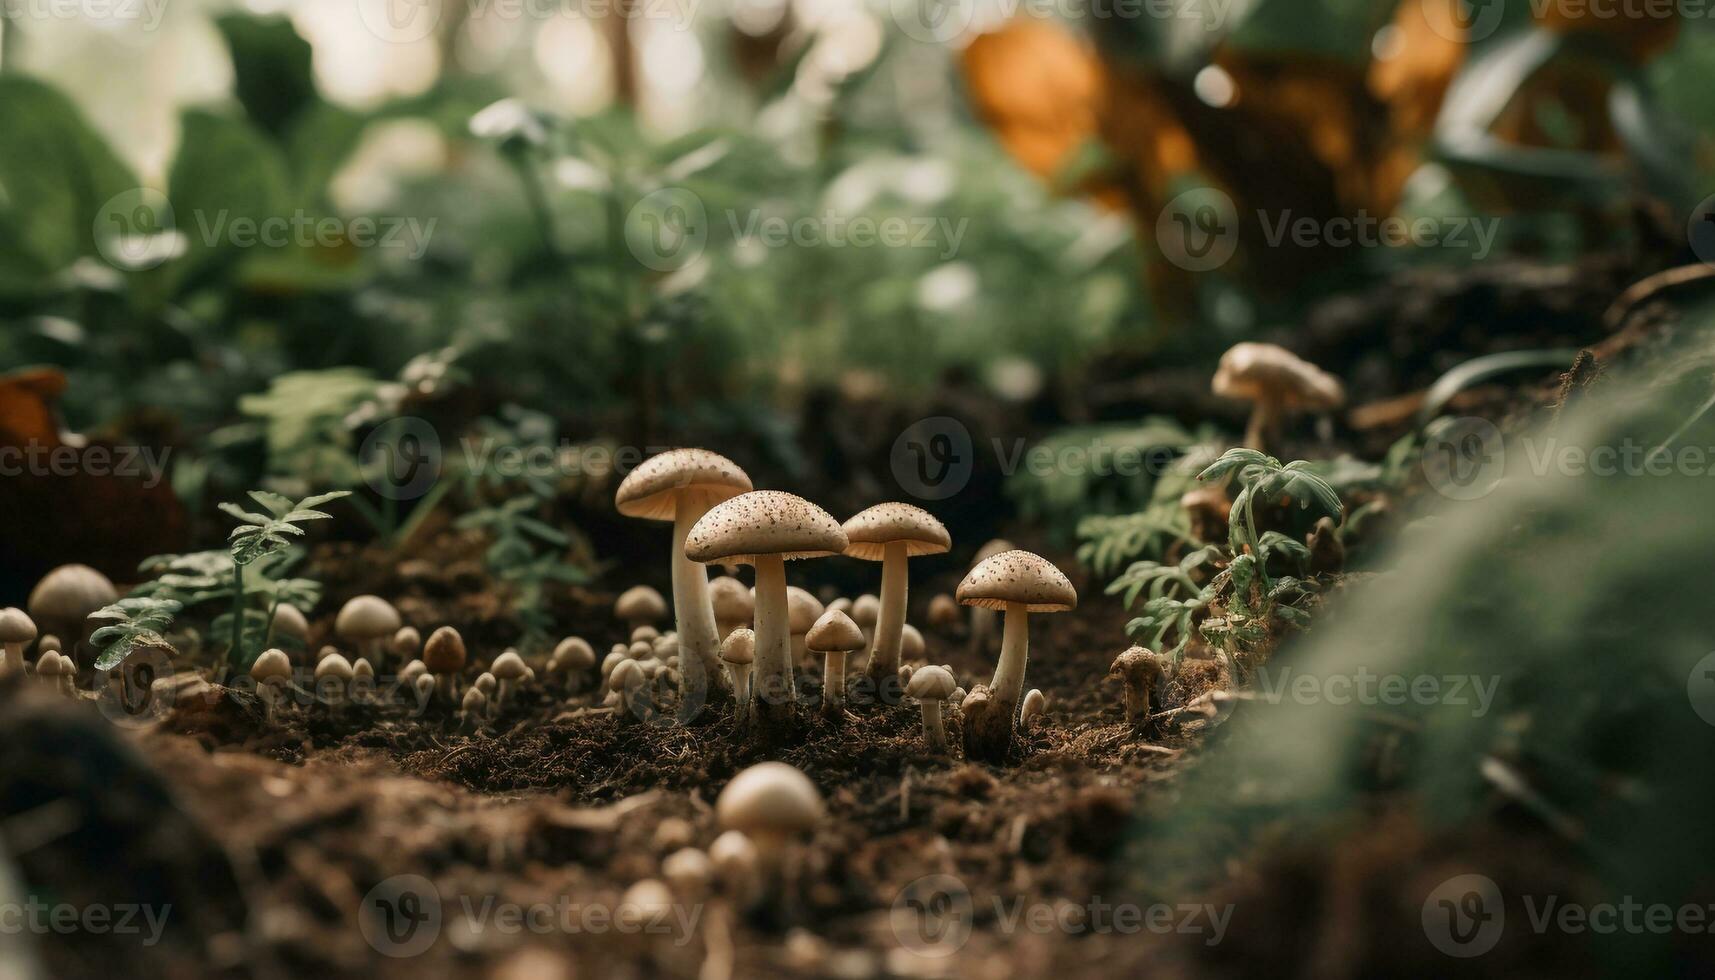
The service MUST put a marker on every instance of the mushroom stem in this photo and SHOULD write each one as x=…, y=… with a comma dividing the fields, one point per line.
x=1263, y=424
x=1136, y=699
x=12, y=661
x=741, y=688
x=694, y=614
x=933, y=730
x=502, y=694
x=1014, y=652
x=890, y=622
x=773, y=680
x=834, y=682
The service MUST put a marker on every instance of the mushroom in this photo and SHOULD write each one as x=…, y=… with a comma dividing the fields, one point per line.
x=905, y=672
x=406, y=644
x=802, y=611
x=639, y=606
x=738, y=651
x=333, y=679
x=982, y=620
x=1019, y=583
x=631, y=682
x=424, y=685
x=841, y=603
x=865, y=610
x=1140, y=670
x=645, y=634
x=944, y=612
x=930, y=686
x=734, y=858
x=362, y=681
x=771, y=803
x=327, y=650
x=16, y=631
x=1035, y=703
x=689, y=871
x=474, y=707
x=509, y=669
x=63, y=600
x=444, y=656
x=487, y=683
x=1208, y=509
x=573, y=658
x=893, y=534
x=911, y=645
x=64, y=672
x=765, y=529
x=732, y=604
x=410, y=672
x=289, y=622
x=1276, y=381
x=1327, y=551
x=367, y=622
x=835, y=636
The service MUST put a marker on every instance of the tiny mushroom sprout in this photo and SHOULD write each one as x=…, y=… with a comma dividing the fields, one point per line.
x=272, y=672
x=406, y=644
x=680, y=485
x=572, y=659
x=944, y=612
x=509, y=669
x=865, y=610
x=911, y=645
x=893, y=534
x=771, y=803
x=63, y=600
x=982, y=619
x=58, y=671
x=732, y=603
x=638, y=607
x=444, y=655
x=734, y=857
x=1275, y=381
x=368, y=623
x=689, y=871
x=835, y=636
x=362, y=681
x=289, y=622
x=409, y=673
x=738, y=652
x=645, y=634
x=473, y=707
x=931, y=686
x=631, y=683
x=487, y=684
x=1140, y=670
x=16, y=632
x=1035, y=703
x=333, y=679
x=765, y=529
x=802, y=611
x=1020, y=583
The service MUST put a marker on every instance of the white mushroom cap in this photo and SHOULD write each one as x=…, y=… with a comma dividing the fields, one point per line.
x=335, y=666
x=15, y=626
x=272, y=665
x=68, y=594
x=768, y=799
x=647, y=897
x=444, y=653
x=626, y=674
x=842, y=604
x=509, y=666
x=475, y=702
x=911, y=643
x=52, y=664
x=574, y=653
x=739, y=647
x=611, y=661
x=648, y=634
x=1268, y=373
x=290, y=621
x=802, y=610
x=1035, y=703
x=764, y=522
x=734, y=855
x=1018, y=577
x=363, y=668
x=931, y=683
x=406, y=643
x=640, y=602
x=486, y=683
x=688, y=870
x=866, y=610
x=835, y=631
x=870, y=532
x=366, y=617
x=413, y=670
x=652, y=490
x=732, y=601
x=640, y=650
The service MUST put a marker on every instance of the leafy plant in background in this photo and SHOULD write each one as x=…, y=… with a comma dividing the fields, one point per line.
x=258, y=536
x=137, y=621
x=528, y=554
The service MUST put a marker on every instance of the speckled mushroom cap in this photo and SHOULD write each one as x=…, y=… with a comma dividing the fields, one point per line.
x=802, y=610
x=764, y=522
x=739, y=647
x=509, y=666
x=444, y=652
x=640, y=602
x=731, y=598
x=652, y=490
x=1137, y=660
x=1265, y=372
x=931, y=683
x=836, y=632
x=69, y=593
x=366, y=617
x=870, y=532
x=15, y=626
x=271, y=665
x=1018, y=577
x=770, y=798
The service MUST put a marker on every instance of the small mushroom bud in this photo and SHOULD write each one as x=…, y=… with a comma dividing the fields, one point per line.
x=572, y=660
x=732, y=604
x=406, y=644
x=272, y=673
x=931, y=686
x=17, y=630
x=425, y=687
x=611, y=661
x=689, y=871
x=866, y=609
x=673, y=833
x=734, y=858
x=944, y=613
x=368, y=622
x=640, y=605
x=362, y=681
x=474, y=707
x=835, y=636
x=631, y=683
x=905, y=671
x=771, y=803
x=51, y=669
x=738, y=652
x=1276, y=381
x=1035, y=703
x=487, y=683
x=1140, y=670
x=333, y=680
x=640, y=650
x=645, y=634
x=328, y=650
x=444, y=655
x=411, y=671
x=911, y=645
x=48, y=642
x=289, y=622
x=842, y=604
x=957, y=698
x=510, y=671
x=802, y=611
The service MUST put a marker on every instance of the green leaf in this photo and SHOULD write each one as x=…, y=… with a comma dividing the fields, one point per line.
x=1236, y=459
x=271, y=66
x=226, y=181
